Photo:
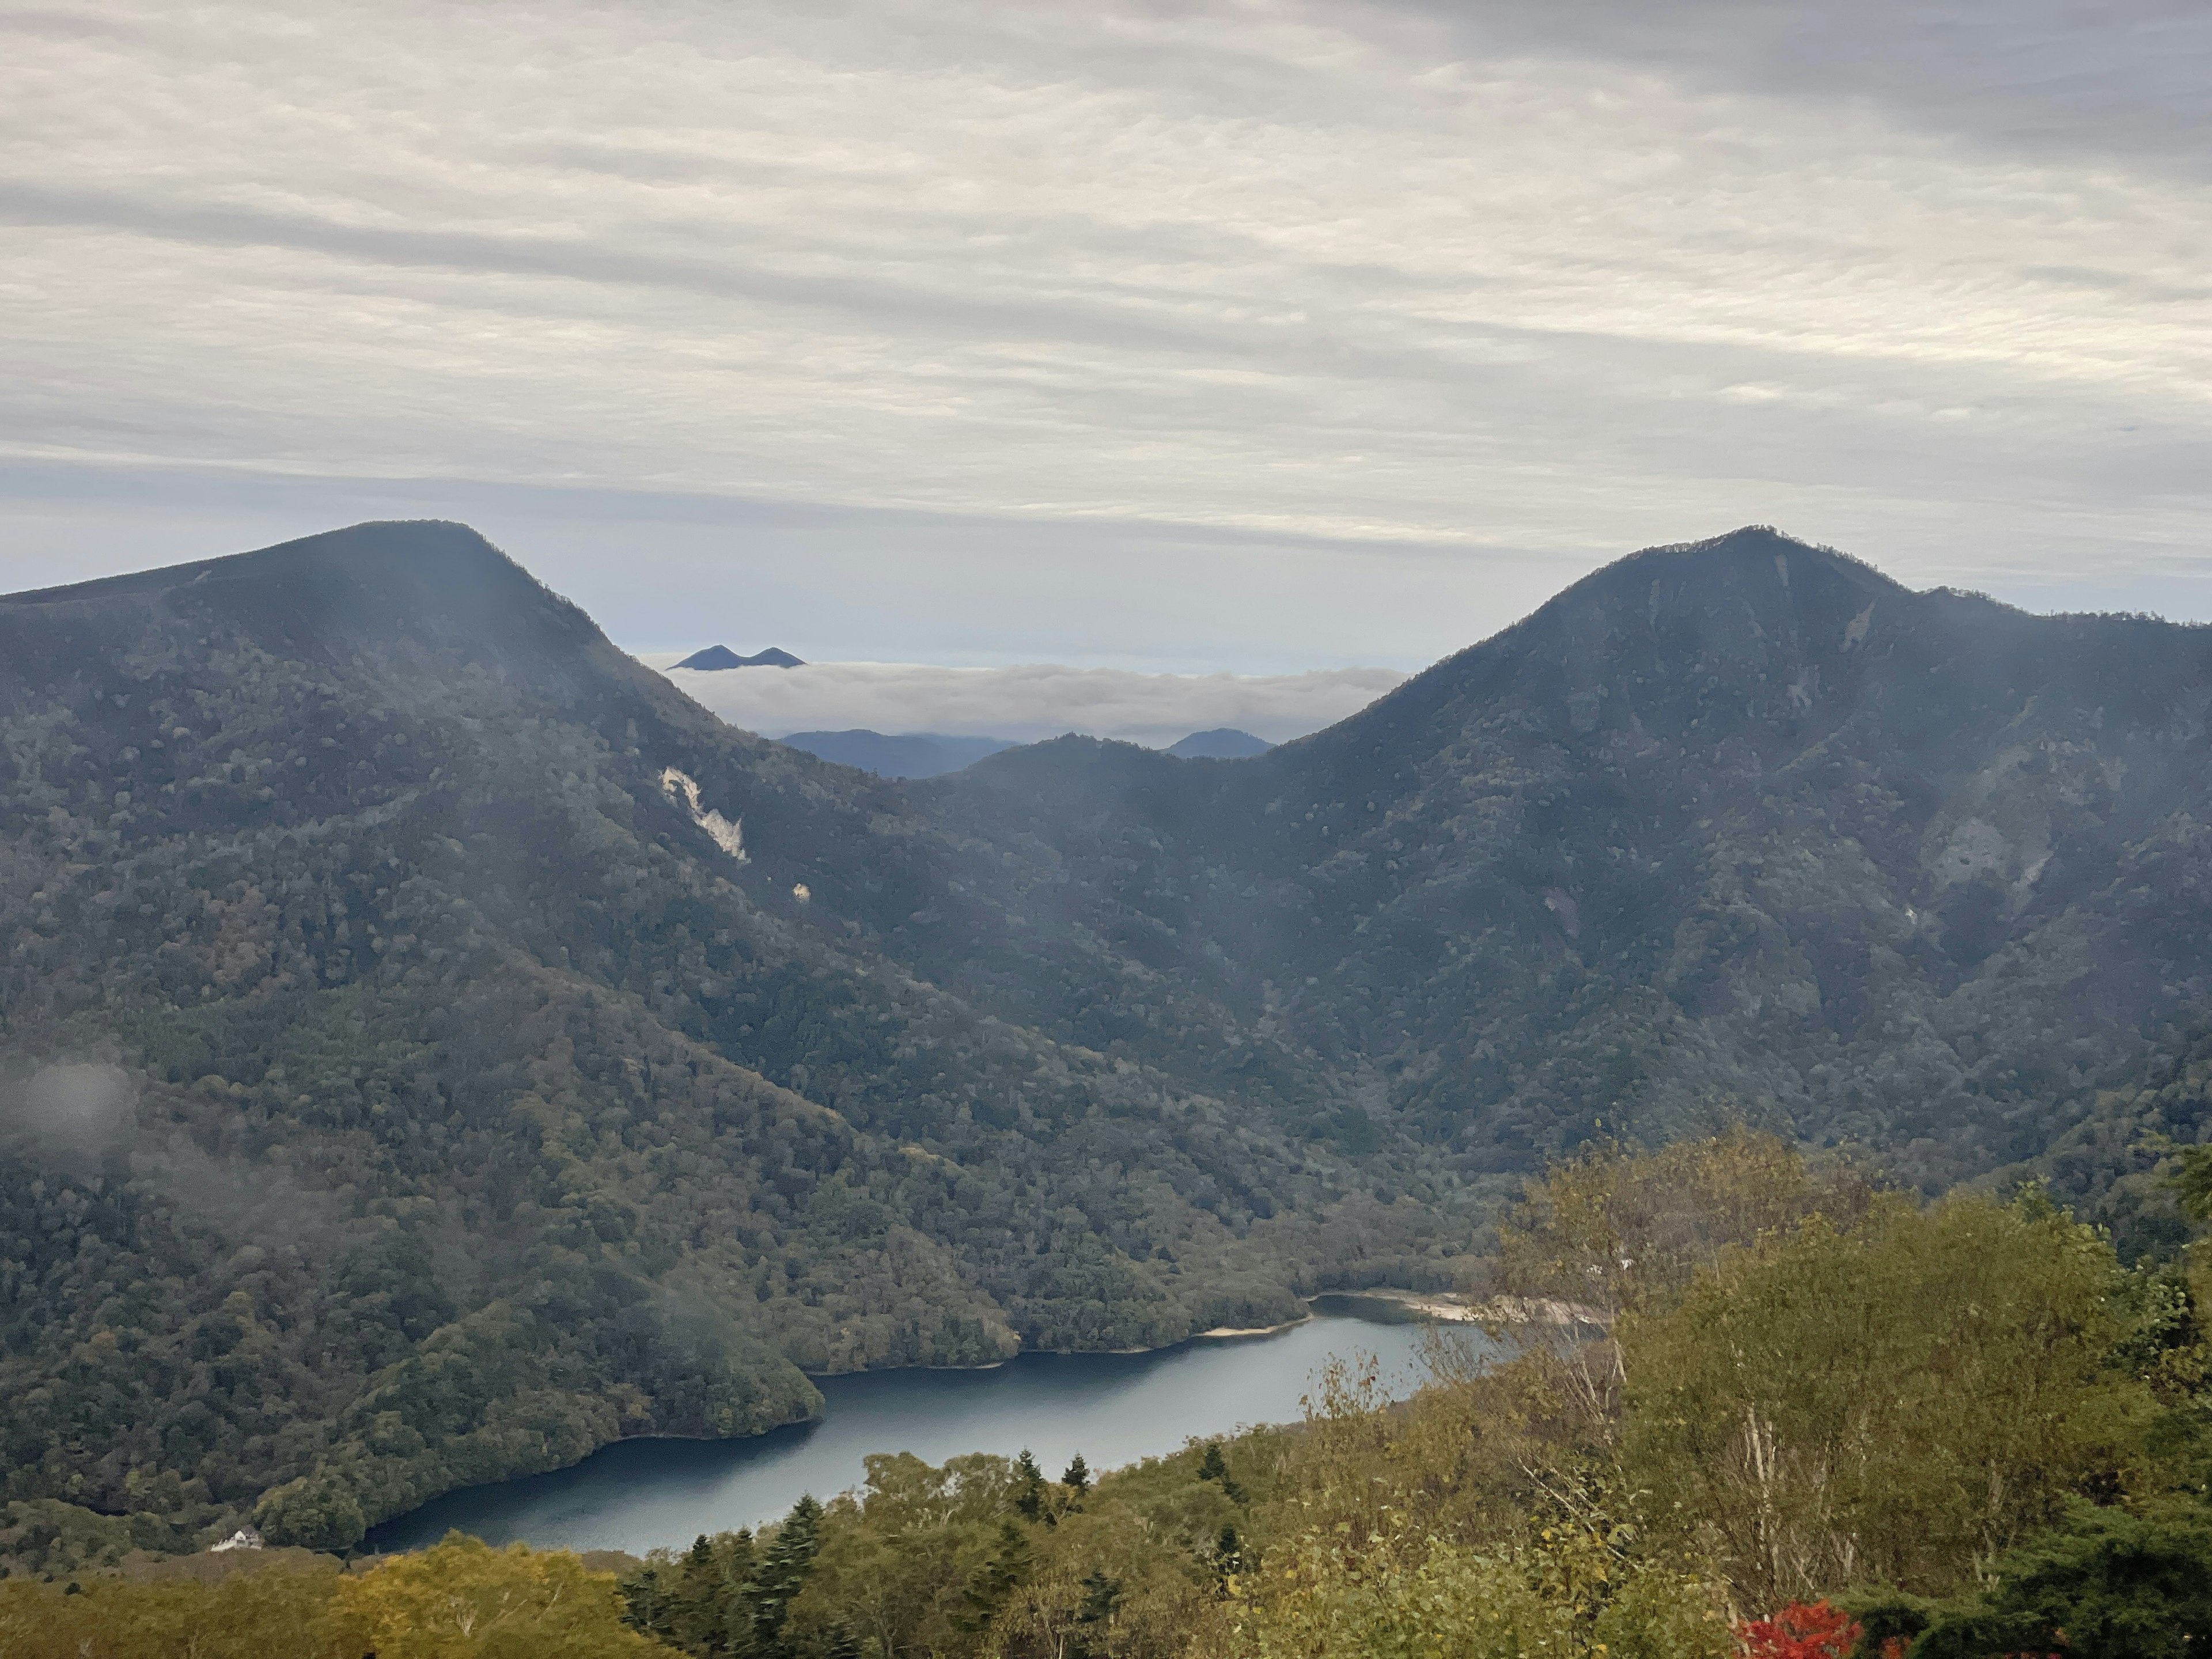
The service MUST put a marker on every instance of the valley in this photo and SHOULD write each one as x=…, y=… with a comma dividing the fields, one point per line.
x=406, y=1089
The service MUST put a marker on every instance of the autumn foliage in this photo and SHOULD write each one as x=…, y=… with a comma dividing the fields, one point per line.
x=1800, y=1631
x=461, y=1600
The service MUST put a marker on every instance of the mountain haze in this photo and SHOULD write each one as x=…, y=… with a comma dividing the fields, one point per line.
x=1222, y=743
x=487, y=1089
x=423, y=1065
x=901, y=754
x=1741, y=827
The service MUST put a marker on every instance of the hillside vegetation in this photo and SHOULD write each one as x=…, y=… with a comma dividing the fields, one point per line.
x=1828, y=1418
x=411, y=1087
x=1737, y=830
x=431, y=1046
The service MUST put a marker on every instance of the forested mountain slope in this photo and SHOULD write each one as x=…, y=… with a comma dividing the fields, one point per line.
x=1736, y=828
x=431, y=1046
x=421, y=1065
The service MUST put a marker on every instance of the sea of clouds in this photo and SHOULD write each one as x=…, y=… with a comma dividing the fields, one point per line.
x=1027, y=703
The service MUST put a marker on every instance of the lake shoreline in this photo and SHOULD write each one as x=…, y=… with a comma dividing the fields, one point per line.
x=643, y=1491
x=1218, y=1333
x=1424, y=1304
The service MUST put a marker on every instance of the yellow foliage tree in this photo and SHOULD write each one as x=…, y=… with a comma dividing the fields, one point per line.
x=1900, y=1402
x=464, y=1600
x=1558, y=1596
x=273, y=1614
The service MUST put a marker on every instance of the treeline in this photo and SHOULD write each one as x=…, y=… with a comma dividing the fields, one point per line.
x=1801, y=1414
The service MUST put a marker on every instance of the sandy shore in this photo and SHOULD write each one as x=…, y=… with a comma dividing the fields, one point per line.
x=1449, y=1308
x=1254, y=1330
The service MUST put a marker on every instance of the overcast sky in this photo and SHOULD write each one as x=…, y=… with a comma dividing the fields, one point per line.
x=1265, y=337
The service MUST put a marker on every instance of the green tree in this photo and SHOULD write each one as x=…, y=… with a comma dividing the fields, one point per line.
x=919, y=1559
x=1002, y=1569
x=2111, y=1585
x=1094, y=1614
x=705, y=1601
x=1899, y=1402
x=784, y=1566
x=1029, y=1479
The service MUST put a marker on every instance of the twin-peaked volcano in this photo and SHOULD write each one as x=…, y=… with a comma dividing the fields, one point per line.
x=720, y=656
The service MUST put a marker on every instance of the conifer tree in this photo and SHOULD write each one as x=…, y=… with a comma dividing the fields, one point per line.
x=1228, y=1553
x=1029, y=1497
x=783, y=1570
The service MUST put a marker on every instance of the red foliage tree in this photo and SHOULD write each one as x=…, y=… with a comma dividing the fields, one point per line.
x=1800, y=1631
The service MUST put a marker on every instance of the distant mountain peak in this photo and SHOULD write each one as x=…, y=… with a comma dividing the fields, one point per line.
x=905, y=755
x=1221, y=743
x=1757, y=576
x=720, y=656
x=1759, y=545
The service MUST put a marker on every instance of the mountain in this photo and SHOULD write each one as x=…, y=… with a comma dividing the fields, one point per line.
x=418, y=1066
x=720, y=656
x=1736, y=828
x=419, y=1062
x=909, y=754
x=1222, y=743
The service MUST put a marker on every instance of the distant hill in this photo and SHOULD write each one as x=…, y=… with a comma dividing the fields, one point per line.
x=1222, y=743
x=720, y=656
x=909, y=754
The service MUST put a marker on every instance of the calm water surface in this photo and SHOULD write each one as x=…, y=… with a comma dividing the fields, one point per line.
x=1113, y=1408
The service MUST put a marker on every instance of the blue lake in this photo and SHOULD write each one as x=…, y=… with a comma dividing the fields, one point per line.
x=1113, y=1408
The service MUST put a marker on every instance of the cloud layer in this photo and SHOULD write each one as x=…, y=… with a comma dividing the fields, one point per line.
x=1023, y=704
x=1502, y=291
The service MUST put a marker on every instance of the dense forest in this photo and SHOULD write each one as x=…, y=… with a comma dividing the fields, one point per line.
x=1742, y=827
x=432, y=1048
x=1822, y=1417
x=410, y=1089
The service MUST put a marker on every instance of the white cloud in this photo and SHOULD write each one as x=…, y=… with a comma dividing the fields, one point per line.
x=1023, y=704
x=1358, y=278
